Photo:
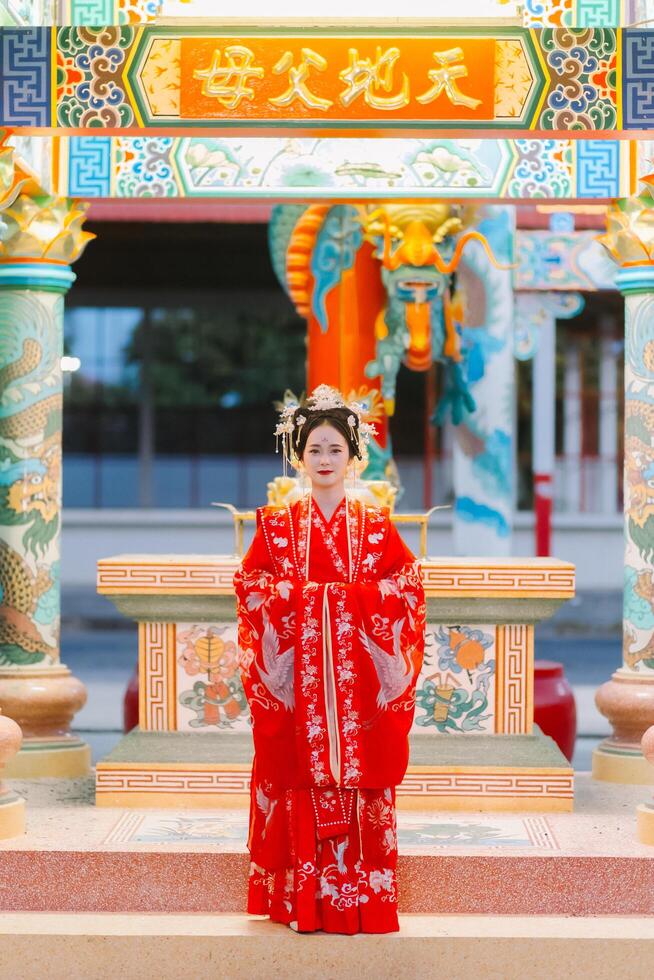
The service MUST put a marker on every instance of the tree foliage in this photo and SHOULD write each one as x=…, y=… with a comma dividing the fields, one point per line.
x=229, y=357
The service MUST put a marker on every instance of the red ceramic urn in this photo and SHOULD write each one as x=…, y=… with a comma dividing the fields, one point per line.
x=131, y=703
x=555, y=711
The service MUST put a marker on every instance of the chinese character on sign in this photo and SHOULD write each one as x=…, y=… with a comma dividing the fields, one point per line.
x=363, y=76
x=229, y=82
x=297, y=77
x=444, y=79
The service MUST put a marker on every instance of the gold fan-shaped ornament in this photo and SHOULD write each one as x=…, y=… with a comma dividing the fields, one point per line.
x=629, y=237
x=44, y=227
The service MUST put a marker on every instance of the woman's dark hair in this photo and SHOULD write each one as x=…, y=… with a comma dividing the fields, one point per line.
x=338, y=417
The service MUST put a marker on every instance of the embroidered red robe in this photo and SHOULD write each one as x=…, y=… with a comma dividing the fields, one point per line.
x=331, y=632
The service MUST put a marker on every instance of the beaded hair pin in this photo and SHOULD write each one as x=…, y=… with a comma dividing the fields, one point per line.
x=322, y=398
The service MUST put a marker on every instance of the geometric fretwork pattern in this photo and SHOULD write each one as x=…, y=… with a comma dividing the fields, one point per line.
x=25, y=77
x=638, y=78
x=495, y=579
x=514, y=713
x=85, y=12
x=89, y=166
x=201, y=575
x=597, y=13
x=157, y=677
x=598, y=168
x=462, y=784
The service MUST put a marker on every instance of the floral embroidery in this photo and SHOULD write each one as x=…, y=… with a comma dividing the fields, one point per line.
x=288, y=626
x=371, y=560
x=329, y=534
x=274, y=519
x=259, y=876
x=310, y=636
x=345, y=678
x=379, y=813
x=387, y=587
x=382, y=879
x=306, y=871
x=284, y=588
x=389, y=842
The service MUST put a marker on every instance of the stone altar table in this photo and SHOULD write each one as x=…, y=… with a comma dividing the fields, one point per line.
x=473, y=744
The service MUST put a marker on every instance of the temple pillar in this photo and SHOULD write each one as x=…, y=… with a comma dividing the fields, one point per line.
x=572, y=426
x=535, y=339
x=12, y=806
x=39, y=236
x=627, y=700
x=608, y=417
x=543, y=433
x=483, y=465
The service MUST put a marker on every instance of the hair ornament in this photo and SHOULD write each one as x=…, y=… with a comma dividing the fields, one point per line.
x=286, y=426
x=324, y=398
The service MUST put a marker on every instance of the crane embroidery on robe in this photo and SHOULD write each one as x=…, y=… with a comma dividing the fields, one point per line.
x=277, y=671
x=394, y=672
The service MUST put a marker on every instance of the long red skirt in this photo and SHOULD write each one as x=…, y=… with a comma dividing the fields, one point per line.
x=310, y=875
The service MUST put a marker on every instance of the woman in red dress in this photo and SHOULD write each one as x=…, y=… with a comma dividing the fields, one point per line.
x=331, y=617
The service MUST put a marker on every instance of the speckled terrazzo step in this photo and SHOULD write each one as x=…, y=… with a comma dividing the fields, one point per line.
x=77, y=857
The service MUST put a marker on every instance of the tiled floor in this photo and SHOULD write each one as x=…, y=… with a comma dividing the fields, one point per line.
x=61, y=815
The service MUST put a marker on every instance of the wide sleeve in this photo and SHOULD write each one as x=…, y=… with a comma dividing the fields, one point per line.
x=266, y=610
x=391, y=600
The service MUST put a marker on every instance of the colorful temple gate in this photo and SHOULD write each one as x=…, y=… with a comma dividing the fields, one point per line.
x=141, y=108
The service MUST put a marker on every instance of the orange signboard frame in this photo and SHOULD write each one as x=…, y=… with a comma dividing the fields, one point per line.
x=329, y=78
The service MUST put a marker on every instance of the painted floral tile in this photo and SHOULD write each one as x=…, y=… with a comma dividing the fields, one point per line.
x=456, y=688
x=210, y=693
x=227, y=830
x=415, y=832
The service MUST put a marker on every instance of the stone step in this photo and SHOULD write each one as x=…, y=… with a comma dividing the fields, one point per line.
x=93, y=947
x=77, y=857
x=184, y=881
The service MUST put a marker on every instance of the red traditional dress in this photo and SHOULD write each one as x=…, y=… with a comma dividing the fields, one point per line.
x=331, y=631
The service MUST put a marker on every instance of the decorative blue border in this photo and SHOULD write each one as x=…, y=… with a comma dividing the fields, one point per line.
x=25, y=82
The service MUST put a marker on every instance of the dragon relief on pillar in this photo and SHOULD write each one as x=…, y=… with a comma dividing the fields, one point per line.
x=395, y=266
x=629, y=240
x=639, y=480
x=30, y=478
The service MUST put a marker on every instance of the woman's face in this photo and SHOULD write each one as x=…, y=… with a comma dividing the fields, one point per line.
x=326, y=456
